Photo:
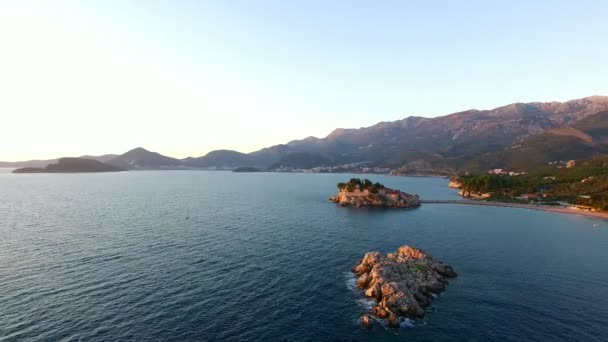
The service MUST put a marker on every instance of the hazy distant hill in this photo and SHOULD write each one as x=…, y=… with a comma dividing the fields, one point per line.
x=301, y=160
x=140, y=158
x=104, y=158
x=518, y=135
x=223, y=159
x=71, y=165
x=444, y=142
x=583, y=139
x=42, y=163
x=29, y=163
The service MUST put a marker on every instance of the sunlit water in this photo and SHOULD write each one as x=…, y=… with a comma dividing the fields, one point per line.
x=203, y=256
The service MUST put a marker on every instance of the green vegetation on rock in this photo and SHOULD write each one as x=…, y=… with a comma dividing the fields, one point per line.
x=361, y=184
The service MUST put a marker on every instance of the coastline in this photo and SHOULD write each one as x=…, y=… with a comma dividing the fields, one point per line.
x=561, y=210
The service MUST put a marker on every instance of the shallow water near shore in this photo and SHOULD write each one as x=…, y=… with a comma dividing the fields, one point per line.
x=202, y=255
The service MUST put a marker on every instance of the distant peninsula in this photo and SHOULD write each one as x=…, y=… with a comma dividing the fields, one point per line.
x=72, y=165
x=247, y=169
x=364, y=193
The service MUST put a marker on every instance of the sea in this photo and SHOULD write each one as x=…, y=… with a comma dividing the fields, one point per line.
x=222, y=256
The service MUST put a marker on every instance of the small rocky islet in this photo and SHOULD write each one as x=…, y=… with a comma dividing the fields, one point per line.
x=364, y=193
x=401, y=284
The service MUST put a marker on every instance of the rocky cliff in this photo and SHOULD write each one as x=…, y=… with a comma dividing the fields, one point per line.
x=455, y=182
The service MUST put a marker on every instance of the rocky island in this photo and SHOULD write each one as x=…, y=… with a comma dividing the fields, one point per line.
x=364, y=193
x=71, y=165
x=402, y=284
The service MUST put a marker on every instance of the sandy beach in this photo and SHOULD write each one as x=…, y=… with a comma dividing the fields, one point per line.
x=562, y=210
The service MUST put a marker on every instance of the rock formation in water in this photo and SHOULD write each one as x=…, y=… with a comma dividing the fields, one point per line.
x=402, y=284
x=455, y=182
x=364, y=193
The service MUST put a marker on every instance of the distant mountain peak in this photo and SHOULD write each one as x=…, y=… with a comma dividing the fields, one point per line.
x=579, y=127
x=140, y=158
x=219, y=159
x=597, y=98
x=338, y=132
x=138, y=150
x=310, y=138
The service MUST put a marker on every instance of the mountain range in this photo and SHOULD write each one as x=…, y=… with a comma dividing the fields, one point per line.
x=517, y=136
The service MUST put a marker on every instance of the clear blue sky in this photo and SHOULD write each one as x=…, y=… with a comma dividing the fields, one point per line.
x=186, y=77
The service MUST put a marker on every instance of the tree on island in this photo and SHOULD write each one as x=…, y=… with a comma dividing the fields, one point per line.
x=362, y=184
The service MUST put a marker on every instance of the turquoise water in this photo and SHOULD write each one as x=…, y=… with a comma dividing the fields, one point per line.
x=204, y=256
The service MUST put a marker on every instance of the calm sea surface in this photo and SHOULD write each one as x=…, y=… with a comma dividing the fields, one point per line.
x=207, y=256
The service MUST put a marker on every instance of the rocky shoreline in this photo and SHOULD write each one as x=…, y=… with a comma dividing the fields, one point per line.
x=401, y=284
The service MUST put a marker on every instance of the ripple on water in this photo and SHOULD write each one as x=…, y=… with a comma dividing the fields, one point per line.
x=265, y=257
